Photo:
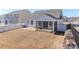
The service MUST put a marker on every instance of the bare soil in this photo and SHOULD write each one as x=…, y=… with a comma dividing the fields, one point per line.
x=69, y=42
x=22, y=39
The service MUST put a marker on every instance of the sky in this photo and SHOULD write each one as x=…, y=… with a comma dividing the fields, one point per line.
x=4, y=11
x=71, y=12
x=66, y=12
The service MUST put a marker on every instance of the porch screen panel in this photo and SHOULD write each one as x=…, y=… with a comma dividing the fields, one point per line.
x=50, y=25
x=39, y=24
x=45, y=24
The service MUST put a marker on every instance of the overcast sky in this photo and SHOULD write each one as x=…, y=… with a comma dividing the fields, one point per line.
x=66, y=12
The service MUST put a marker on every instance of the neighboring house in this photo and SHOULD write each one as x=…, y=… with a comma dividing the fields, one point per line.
x=71, y=19
x=75, y=19
x=16, y=17
x=47, y=20
x=14, y=20
x=2, y=20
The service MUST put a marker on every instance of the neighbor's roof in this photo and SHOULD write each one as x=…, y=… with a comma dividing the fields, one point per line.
x=19, y=11
x=24, y=14
x=56, y=13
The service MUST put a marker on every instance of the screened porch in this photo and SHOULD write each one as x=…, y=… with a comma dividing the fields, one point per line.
x=46, y=26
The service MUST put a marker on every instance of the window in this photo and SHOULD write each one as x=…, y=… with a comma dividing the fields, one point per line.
x=31, y=22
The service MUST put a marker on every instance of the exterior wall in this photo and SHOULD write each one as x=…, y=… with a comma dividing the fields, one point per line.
x=28, y=23
x=42, y=18
x=69, y=19
x=61, y=26
x=16, y=17
x=12, y=18
x=24, y=16
x=2, y=20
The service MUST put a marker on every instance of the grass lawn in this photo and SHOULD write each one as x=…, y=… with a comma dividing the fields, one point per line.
x=21, y=38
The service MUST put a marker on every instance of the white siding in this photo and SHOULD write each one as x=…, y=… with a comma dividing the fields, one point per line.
x=42, y=18
x=61, y=26
x=30, y=25
x=2, y=20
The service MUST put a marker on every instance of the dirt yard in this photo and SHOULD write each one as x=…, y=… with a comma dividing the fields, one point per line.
x=69, y=42
x=21, y=38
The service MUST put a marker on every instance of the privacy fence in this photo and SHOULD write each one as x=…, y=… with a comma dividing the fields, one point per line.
x=9, y=27
x=75, y=33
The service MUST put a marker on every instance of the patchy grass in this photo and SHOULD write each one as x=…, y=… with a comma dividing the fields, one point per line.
x=21, y=38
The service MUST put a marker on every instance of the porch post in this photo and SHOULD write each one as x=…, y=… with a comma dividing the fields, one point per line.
x=36, y=24
x=42, y=25
x=8, y=22
x=53, y=27
x=48, y=25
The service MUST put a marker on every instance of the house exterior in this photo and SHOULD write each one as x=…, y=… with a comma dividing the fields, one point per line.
x=47, y=20
x=2, y=20
x=15, y=17
x=13, y=20
x=71, y=19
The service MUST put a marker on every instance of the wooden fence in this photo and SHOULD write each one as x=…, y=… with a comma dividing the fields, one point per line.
x=9, y=27
x=75, y=34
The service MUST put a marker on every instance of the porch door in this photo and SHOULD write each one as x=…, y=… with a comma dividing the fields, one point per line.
x=55, y=26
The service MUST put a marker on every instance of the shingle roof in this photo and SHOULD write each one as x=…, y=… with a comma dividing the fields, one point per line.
x=24, y=13
x=56, y=13
x=19, y=11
